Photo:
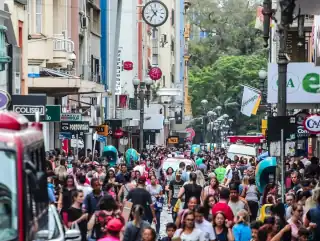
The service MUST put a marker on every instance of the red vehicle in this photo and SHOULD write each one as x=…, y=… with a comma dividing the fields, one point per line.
x=23, y=179
x=258, y=140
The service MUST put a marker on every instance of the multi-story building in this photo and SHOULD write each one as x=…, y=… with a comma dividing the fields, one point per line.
x=64, y=58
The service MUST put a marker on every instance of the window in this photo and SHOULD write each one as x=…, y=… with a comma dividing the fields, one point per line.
x=38, y=16
x=172, y=17
x=95, y=20
x=8, y=193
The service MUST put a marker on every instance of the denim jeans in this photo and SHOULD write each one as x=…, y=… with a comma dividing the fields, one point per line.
x=158, y=215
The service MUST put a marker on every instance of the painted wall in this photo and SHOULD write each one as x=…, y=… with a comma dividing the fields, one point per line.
x=128, y=45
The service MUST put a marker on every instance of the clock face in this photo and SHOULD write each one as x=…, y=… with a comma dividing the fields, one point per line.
x=155, y=13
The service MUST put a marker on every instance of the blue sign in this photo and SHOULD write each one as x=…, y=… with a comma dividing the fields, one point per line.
x=65, y=135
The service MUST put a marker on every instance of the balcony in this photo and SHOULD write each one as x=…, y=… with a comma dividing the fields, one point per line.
x=308, y=22
x=311, y=7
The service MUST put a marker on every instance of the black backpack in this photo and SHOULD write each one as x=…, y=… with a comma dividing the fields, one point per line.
x=235, y=176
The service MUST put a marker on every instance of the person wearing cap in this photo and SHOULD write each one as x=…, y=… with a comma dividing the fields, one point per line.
x=114, y=227
x=141, y=196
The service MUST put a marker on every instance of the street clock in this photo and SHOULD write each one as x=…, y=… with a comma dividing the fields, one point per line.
x=155, y=13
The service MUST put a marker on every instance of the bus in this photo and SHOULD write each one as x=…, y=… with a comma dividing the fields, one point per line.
x=23, y=180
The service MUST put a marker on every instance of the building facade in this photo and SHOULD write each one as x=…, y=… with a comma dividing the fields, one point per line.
x=64, y=61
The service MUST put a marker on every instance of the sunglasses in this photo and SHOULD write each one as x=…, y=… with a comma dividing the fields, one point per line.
x=190, y=219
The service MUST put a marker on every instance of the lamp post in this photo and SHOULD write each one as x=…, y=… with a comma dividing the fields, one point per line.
x=222, y=127
x=263, y=76
x=204, y=104
x=143, y=95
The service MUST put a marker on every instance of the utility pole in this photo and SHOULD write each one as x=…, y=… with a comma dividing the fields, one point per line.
x=141, y=97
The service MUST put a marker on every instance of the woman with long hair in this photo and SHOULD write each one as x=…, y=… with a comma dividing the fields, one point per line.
x=211, y=189
x=75, y=214
x=222, y=227
x=242, y=231
x=251, y=195
x=65, y=198
x=296, y=220
x=191, y=189
x=134, y=228
x=191, y=205
x=208, y=204
x=188, y=232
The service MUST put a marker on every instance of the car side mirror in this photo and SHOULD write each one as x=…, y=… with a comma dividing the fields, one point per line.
x=72, y=234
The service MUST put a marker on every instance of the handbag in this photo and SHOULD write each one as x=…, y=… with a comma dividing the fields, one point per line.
x=74, y=226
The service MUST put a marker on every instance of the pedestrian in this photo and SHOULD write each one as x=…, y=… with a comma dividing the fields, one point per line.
x=191, y=189
x=141, y=196
x=208, y=203
x=241, y=230
x=149, y=234
x=222, y=205
x=90, y=204
x=203, y=225
x=188, y=232
x=222, y=227
x=114, y=227
x=134, y=228
x=75, y=214
x=174, y=188
x=192, y=203
x=170, y=230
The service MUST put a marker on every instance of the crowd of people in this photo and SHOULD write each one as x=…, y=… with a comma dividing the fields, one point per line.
x=216, y=198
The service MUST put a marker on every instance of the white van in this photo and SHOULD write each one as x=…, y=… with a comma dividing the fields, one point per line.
x=241, y=150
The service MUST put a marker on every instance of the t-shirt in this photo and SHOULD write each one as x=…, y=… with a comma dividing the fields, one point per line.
x=109, y=239
x=142, y=197
x=236, y=206
x=220, y=173
x=196, y=235
x=207, y=229
x=175, y=186
x=199, y=161
x=223, y=207
x=154, y=191
x=73, y=215
x=192, y=190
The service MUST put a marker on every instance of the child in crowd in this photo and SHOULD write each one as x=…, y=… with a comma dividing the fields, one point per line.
x=170, y=230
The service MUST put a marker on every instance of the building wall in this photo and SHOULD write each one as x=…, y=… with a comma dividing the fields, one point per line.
x=19, y=18
x=128, y=39
x=165, y=56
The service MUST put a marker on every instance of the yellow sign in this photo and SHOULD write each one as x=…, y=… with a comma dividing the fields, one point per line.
x=173, y=140
x=264, y=126
x=102, y=130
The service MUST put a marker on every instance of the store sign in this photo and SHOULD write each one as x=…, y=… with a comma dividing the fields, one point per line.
x=74, y=127
x=302, y=133
x=312, y=124
x=71, y=117
x=173, y=140
x=29, y=109
x=303, y=83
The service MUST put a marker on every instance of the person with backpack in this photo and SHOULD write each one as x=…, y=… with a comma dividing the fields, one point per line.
x=233, y=175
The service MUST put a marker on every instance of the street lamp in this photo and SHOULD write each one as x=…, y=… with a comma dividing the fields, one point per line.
x=262, y=76
x=142, y=95
x=204, y=103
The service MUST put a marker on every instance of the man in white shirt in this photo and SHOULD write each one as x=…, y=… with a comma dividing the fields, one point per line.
x=204, y=225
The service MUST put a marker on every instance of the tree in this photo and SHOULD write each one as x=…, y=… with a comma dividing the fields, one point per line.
x=229, y=25
x=220, y=84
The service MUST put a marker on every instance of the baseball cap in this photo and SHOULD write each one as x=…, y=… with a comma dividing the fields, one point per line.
x=114, y=225
x=179, y=173
x=142, y=180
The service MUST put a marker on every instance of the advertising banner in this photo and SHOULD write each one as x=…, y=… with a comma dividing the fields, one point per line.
x=303, y=83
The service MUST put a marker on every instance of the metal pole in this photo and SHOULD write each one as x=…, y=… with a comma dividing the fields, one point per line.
x=282, y=73
x=141, y=97
x=95, y=141
x=282, y=163
x=77, y=147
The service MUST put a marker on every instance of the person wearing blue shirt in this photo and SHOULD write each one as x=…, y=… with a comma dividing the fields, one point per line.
x=52, y=197
x=241, y=231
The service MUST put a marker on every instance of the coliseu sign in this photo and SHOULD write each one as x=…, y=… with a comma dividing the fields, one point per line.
x=312, y=124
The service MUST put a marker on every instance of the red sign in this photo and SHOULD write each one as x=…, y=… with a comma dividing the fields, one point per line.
x=246, y=139
x=191, y=134
x=128, y=65
x=118, y=133
x=155, y=73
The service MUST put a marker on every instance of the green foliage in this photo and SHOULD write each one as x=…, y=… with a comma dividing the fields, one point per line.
x=231, y=55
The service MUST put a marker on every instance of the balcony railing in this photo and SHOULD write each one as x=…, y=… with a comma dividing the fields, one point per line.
x=61, y=44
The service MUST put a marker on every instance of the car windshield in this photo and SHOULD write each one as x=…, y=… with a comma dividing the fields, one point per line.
x=8, y=196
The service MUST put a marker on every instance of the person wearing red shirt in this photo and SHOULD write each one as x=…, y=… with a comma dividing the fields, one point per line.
x=222, y=205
